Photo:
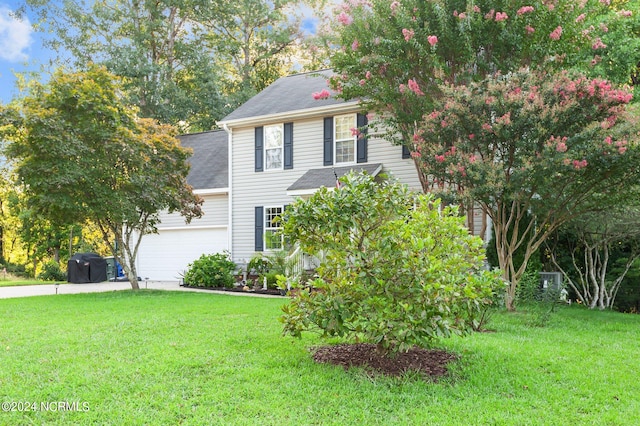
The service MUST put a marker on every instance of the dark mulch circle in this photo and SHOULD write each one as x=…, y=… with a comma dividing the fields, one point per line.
x=430, y=362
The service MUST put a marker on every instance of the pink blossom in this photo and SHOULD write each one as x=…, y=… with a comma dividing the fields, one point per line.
x=408, y=34
x=455, y=13
x=555, y=34
x=476, y=9
x=354, y=131
x=345, y=19
x=355, y=45
x=432, y=40
x=367, y=75
x=487, y=127
x=530, y=29
x=462, y=16
x=402, y=88
x=566, y=161
x=443, y=123
x=505, y=119
x=596, y=60
x=324, y=94
x=501, y=16
x=414, y=87
x=581, y=17
x=607, y=140
x=440, y=158
x=604, y=28
x=551, y=6
x=394, y=6
x=472, y=136
x=606, y=2
x=561, y=147
x=490, y=14
x=524, y=9
x=598, y=44
x=370, y=116
x=362, y=82
x=622, y=149
x=415, y=154
x=579, y=164
x=626, y=13
x=473, y=159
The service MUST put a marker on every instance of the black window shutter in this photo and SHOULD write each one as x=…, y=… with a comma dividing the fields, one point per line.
x=328, y=141
x=259, y=238
x=259, y=148
x=288, y=146
x=405, y=152
x=362, y=122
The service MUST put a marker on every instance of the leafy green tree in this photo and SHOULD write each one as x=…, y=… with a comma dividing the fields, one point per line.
x=166, y=70
x=532, y=149
x=602, y=248
x=397, y=268
x=81, y=155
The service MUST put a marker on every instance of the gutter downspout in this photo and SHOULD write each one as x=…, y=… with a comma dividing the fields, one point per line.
x=230, y=177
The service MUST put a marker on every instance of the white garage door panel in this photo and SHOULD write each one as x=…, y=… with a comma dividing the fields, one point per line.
x=165, y=256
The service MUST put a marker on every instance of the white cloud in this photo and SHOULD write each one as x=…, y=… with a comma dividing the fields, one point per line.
x=15, y=36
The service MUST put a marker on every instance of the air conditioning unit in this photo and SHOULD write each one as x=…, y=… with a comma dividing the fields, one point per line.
x=551, y=281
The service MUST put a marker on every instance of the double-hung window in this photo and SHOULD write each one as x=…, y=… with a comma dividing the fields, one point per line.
x=273, y=147
x=345, y=138
x=272, y=228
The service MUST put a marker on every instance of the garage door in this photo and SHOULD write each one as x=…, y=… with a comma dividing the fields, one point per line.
x=165, y=256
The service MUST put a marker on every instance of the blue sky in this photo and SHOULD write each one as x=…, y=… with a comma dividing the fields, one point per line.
x=20, y=48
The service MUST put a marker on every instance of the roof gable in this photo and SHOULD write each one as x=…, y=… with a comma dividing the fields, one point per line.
x=210, y=159
x=287, y=94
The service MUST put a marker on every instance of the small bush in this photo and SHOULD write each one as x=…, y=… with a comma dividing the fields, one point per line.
x=213, y=270
x=51, y=272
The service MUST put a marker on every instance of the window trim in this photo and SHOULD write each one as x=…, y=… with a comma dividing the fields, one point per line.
x=267, y=229
x=354, y=140
x=264, y=146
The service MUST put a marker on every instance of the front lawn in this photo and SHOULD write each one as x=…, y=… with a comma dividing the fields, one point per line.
x=156, y=357
x=10, y=281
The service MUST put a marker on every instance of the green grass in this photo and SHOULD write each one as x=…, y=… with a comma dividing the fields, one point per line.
x=152, y=358
x=9, y=282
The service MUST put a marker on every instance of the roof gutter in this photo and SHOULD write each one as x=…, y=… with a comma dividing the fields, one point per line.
x=291, y=115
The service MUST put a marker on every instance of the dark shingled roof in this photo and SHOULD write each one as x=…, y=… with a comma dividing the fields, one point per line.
x=291, y=93
x=210, y=159
x=326, y=177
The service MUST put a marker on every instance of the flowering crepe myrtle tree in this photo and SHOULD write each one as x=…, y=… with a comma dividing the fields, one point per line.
x=530, y=142
x=394, y=55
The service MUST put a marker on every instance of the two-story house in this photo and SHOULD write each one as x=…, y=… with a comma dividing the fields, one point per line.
x=284, y=143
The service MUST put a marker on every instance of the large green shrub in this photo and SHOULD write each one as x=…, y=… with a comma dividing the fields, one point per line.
x=398, y=268
x=211, y=270
x=51, y=272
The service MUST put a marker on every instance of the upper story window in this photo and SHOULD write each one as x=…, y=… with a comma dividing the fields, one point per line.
x=273, y=147
x=345, y=138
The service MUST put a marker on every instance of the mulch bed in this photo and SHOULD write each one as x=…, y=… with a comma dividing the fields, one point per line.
x=429, y=362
